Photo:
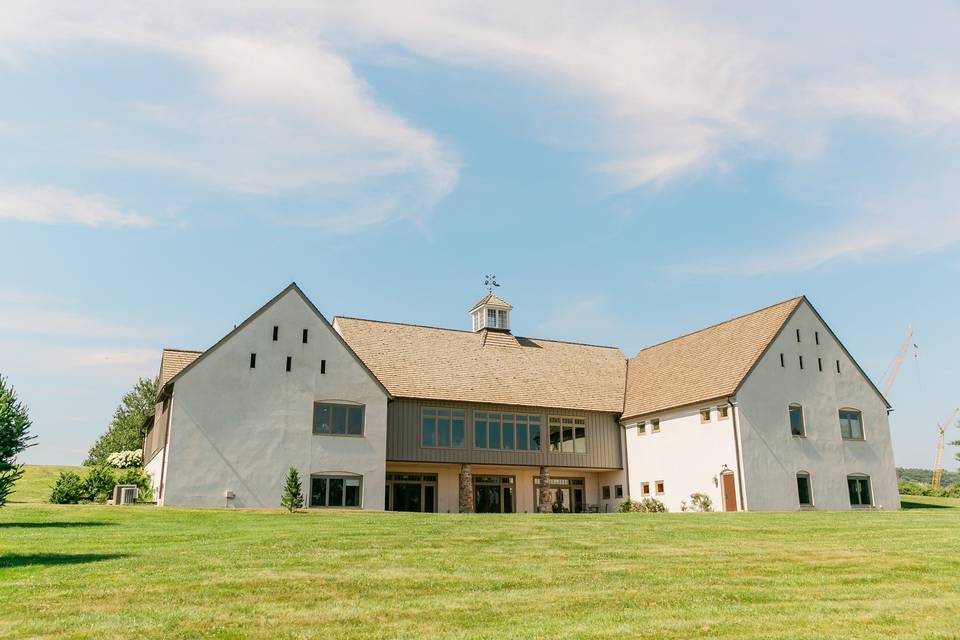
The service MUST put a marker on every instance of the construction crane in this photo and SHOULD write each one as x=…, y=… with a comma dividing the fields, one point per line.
x=938, y=461
x=899, y=361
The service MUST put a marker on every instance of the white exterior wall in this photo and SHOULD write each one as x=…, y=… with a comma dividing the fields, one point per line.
x=687, y=454
x=152, y=470
x=239, y=429
x=772, y=456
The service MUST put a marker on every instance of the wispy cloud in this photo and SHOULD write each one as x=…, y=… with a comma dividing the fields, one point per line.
x=26, y=320
x=52, y=205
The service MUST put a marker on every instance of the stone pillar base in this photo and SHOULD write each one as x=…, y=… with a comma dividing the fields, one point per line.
x=545, y=501
x=466, y=489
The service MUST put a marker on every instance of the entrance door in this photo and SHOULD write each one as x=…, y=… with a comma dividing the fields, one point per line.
x=729, y=491
x=406, y=497
x=493, y=494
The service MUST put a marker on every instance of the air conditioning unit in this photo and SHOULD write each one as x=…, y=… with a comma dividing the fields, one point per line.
x=125, y=493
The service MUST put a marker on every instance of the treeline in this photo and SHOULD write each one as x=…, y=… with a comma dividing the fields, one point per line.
x=925, y=476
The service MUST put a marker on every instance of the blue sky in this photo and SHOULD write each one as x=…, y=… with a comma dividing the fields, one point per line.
x=629, y=172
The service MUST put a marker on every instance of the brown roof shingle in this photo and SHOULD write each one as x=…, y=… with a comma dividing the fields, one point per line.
x=172, y=362
x=704, y=365
x=446, y=364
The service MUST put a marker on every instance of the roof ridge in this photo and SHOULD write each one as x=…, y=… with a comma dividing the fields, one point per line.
x=427, y=326
x=717, y=324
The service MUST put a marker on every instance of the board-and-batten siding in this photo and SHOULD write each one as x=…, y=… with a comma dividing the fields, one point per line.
x=403, y=437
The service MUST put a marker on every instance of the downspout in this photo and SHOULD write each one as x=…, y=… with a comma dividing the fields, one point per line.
x=737, y=450
x=166, y=447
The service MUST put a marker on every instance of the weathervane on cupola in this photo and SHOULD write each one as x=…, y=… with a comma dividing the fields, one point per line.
x=491, y=312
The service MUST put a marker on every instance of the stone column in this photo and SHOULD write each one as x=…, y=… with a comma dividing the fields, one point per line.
x=546, y=495
x=466, y=489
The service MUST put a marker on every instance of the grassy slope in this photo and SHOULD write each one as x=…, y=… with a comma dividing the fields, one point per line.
x=37, y=481
x=96, y=571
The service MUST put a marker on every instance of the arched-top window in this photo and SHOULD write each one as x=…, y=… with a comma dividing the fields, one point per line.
x=797, y=426
x=804, y=489
x=851, y=424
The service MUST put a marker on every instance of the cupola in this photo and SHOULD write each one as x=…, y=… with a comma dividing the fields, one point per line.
x=491, y=312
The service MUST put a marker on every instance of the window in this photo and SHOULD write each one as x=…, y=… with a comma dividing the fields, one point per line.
x=645, y=488
x=820, y=364
x=641, y=428
x=655, y=425
x=838, y=366
x=801, y=362
x=276, y=332
x=816, y=337
x=798, y=335
x=253, y=361
x=502, y=319
x=410, y=492
x=660, y=489
x=323, y=366
x=851, y=424
x=605, y=492
x=442, y=428
x=723, y=412
x=338, y=419
x=804, y=494
x=859, y=487
x=491, y=318
x=333, y=491
x=568, y=435
x=705, y=415
x=618, y=491
x=796, y=420
x=289, y=362
x=782, y=363
x=507, y=431
x=304, y=336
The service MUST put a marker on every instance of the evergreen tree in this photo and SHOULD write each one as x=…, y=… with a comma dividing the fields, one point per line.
x=292, y=492
x=14, y=425
x=125, y=432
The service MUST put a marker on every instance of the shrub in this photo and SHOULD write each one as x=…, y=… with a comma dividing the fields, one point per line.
x=126, y=459
x=292, y=498
x=68, y=489
x=137, y=477
x=647, y=505
x=99, y=483
x=700, y=502
x=908, y=488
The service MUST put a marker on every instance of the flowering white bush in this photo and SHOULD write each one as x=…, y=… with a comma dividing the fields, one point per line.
x=126, y=459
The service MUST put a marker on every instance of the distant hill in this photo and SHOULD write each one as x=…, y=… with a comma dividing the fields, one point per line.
x=926, y=476
x=37, y=481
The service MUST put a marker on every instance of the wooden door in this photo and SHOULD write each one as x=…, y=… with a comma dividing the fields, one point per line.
x=729, y=491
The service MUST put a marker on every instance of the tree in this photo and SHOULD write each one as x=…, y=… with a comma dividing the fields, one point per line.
x=14, y=425
x=292, y=491
x=125, y=432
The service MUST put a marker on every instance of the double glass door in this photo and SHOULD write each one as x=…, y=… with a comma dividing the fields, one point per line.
x=411, y=492
x=494, y=494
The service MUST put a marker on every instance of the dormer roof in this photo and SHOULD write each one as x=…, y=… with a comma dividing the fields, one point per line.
x=493, y=301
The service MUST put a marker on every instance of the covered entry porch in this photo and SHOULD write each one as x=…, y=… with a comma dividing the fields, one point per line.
x=474, y=488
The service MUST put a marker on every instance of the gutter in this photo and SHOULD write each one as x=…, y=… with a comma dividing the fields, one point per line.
x=737, y=449
x=166, y=448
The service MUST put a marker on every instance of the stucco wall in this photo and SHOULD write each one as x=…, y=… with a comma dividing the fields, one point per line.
x=239, y=429
x=687, y=454
x=772, y=456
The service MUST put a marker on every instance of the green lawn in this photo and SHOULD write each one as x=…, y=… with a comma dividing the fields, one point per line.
x=37, y=481
x=109, y=572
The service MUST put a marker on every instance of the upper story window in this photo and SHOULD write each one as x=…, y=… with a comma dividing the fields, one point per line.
x=338, y=419
x=655, y=425
x=723, y=412
x=641, y=428
x=705, y=415
x=851, y=424
x=442, y=428
x=507, y=431
x=568, y=434
x=797, y=427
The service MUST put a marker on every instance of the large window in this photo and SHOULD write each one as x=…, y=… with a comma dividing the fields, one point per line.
x=411, y=492
x=804, y=493
x=568, y=434
x=851, y=424
x=335, y=491
x=567, y=495
x=338, y=419
x=859, y=487
x=442, y=428
x=507, y=431
x=796, y=420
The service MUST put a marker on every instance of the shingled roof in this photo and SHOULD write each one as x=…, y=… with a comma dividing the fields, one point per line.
x=704, y=365
x=172, y=362
x=446, y=364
